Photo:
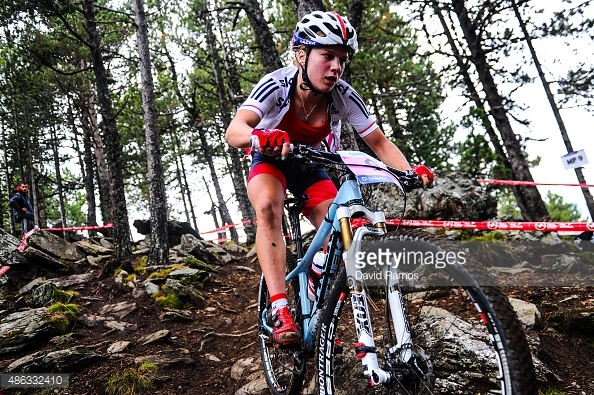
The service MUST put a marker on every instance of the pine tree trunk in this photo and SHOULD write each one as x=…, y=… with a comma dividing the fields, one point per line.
x=478, y=102
x=185, y=188
x=305, y=7
x=122, y=249
x=208, y=158
x=87, y=170
x=238, y=166
x=59, y=185
x=264, y=38
x=93, y=138
x=33, y=185
x=530, y=203
x=180, y=184
x=225, y=105
x=7, y=179
x=159, y=250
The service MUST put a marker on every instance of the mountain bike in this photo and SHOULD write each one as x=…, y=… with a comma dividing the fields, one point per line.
x=421, y=329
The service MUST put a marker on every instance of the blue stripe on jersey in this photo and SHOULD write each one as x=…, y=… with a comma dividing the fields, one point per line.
x=265, y=90
x=359, y=102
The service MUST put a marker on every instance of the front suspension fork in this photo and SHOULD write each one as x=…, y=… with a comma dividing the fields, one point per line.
x=365, y=346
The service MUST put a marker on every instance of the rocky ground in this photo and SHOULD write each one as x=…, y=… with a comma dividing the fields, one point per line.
x=211, y=348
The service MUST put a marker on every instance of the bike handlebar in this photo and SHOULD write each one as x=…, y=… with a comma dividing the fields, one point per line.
x=408, y=179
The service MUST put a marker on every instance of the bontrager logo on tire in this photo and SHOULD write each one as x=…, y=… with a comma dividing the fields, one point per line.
x=322, y=359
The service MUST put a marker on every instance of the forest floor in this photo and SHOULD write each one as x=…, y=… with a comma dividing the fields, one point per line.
x=225, y=333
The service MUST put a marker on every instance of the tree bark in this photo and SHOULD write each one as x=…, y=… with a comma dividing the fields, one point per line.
x=185, y=189
x=307, y=6
x=476, y=99
x=86, y=168
x=158, y=250
x=59, y=185
x=93, y=137
x=266, y=44
x=122, y=250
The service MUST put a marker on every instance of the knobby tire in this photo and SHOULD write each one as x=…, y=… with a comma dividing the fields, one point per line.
x=341, y=374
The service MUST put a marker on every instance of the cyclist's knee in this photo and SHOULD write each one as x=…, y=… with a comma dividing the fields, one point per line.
x=268, y=211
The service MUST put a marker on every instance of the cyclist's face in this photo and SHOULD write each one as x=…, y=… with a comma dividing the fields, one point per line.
x=326, y=65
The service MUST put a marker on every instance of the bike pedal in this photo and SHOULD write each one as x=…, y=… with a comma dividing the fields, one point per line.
x=338, y=347
x=291, y=347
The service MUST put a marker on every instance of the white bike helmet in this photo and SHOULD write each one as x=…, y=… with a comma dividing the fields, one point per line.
x=325, y=28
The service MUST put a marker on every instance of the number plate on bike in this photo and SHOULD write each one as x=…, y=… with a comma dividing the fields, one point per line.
x=367, y=169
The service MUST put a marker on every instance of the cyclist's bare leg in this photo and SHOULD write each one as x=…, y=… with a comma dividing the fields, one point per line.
x=267, y=196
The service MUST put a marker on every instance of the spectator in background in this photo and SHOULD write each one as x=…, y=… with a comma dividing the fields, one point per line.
x=23, y=210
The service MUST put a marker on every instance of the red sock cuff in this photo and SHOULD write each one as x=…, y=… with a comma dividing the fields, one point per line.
x=277, y=297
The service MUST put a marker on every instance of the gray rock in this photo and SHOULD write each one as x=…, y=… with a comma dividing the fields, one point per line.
x=43, y=294
x=455, y=197
x=24, y=329
x=118, y=347
x=197, y=248
x=167, y=359
x=55, y=246
x=72, y=359
x=118, y=310
x=177, y=287
x=155, y=337
x=528, y=313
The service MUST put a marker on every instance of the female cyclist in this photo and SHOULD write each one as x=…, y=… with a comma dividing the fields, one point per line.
x=302, y=104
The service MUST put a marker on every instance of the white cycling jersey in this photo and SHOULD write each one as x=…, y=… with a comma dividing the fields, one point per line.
x=271, y=97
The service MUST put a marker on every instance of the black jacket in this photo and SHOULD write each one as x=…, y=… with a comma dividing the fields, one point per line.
x=17, y=202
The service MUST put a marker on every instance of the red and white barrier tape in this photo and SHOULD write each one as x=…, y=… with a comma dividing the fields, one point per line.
x=75, y=228
x=221, y=229
x=490, y=225
x=531, y=183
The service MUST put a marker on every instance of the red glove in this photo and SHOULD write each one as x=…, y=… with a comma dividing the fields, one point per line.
x=270, y=138
x=423, y=170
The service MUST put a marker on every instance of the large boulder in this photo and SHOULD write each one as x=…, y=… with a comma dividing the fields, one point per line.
x=454, y=197
x=175, y=230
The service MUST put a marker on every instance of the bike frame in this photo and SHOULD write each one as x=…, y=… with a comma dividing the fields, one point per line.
x=343, y=245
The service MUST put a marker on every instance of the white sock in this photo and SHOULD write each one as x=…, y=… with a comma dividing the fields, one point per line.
x=279, y=303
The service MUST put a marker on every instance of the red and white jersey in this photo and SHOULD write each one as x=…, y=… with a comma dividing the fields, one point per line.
x=271, y=97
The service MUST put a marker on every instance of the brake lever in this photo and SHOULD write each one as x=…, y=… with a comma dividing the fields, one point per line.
x=411, y=181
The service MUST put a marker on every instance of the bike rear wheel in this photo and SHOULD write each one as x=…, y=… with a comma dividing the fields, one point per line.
x=467, y=340
x=284, y=370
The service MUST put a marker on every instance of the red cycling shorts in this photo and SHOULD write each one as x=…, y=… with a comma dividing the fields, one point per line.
x=312, y=181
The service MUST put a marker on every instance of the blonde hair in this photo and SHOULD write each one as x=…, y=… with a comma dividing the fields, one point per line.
x=296, y=49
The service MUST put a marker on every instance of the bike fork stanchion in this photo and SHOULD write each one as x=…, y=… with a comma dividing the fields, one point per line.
x=399, y=321
x=365, y=346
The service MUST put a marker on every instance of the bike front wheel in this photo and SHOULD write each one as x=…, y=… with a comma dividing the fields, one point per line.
x=467, y=340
